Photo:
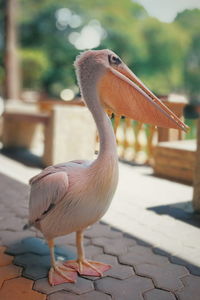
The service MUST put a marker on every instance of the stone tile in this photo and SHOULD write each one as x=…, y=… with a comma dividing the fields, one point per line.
x=43, y=286
x=191, y=290
x=140, y=254
x=8, y=272
x=5, y=214
x=30, y=259
x=38, y=234
x=19, y=289
x=4, y=258
x=29, y=245
x=194, y=269
x=88, y=296
x=35, y=266
x=33, y=255
x=21, y=212
x=10, y=237
x=114, y=246
x=166, y=276
x=156, y=294
x=101, y=230
x=11, y=223
x=120, y=272
x=128, y=289
x=39, y=246
x=107, y=259
x=70, y=239
x=80, y=287
x=92, y=252
x=35, y=272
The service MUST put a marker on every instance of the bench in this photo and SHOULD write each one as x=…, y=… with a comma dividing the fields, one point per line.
x=175, y=160
x=61, y=131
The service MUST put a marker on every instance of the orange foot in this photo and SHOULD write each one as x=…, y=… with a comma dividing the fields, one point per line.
x=88, y=267
x=61, y=274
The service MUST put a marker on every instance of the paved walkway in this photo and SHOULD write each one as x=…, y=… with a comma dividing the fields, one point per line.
x=154, y=212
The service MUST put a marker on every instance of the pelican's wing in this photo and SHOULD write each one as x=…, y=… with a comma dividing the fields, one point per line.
x=47, y=189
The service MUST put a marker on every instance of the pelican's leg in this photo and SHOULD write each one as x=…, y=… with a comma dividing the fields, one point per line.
x=58, y=272
x=84, y=266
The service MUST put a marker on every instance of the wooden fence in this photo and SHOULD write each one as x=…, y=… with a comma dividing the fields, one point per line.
x=135, y=140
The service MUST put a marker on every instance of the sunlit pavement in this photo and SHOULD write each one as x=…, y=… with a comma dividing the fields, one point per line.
x=149, y=236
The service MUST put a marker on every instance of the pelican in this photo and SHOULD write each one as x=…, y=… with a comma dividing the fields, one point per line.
x=71, y=196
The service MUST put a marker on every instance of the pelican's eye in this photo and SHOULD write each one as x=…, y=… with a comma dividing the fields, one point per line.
x=114, y=60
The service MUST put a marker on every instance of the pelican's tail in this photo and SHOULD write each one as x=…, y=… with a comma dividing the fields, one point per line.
x=27, y=226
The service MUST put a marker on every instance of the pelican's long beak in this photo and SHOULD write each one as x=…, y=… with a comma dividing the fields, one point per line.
x=121, y=91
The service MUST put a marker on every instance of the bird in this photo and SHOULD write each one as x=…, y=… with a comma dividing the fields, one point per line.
x=69, y=197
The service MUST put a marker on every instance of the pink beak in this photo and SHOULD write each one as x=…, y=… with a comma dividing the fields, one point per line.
x=121, y=91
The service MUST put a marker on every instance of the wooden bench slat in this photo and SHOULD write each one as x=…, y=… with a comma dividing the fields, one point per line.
x=30, y=117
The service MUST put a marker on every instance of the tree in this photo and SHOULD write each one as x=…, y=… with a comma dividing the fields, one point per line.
x=34, y=65
x=162, y=70
x=189, y=20
x=156, y=51
x=12, y=82
x=41, y=28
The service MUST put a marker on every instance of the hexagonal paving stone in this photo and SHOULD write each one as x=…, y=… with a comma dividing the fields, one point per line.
x=8, y=272
x=120, y=272
x=80, y=287
x=38, y=246
x=88, y=296
x=37, y=266
x=10, y=237
x=92, y=252
x=166, y=276
x=107, y=259
x=29, y=245
x=43, y=286
x=195, y=270
x=191, y=290
x=11, y=223
x=70, y=239
x=4, y=258
x=19, y=289
x=141, y=254
x=156, y=294
x=114, y=246
x=101, y=230
x=128, y=289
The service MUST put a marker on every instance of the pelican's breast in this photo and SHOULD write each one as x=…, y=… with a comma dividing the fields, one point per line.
x=89, y=196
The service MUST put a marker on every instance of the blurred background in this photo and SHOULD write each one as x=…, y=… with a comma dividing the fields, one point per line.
x=39, y=41
x=161, y=44
x=43, y=120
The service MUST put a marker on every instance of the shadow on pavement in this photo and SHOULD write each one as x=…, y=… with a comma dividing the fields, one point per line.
x=13, y=196
x=180, y=211
x=24, y=156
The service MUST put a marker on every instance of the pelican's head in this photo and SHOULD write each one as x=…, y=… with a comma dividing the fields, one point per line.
x=121, y=91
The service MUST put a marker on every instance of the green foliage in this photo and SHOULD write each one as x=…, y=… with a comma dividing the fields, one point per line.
x=190, y=21
x=166, y=47
x=192, y=70
x=164, y=56
x=34, y=65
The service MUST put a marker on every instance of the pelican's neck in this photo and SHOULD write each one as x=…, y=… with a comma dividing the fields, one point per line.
x=89, y=73
x=107, y=139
